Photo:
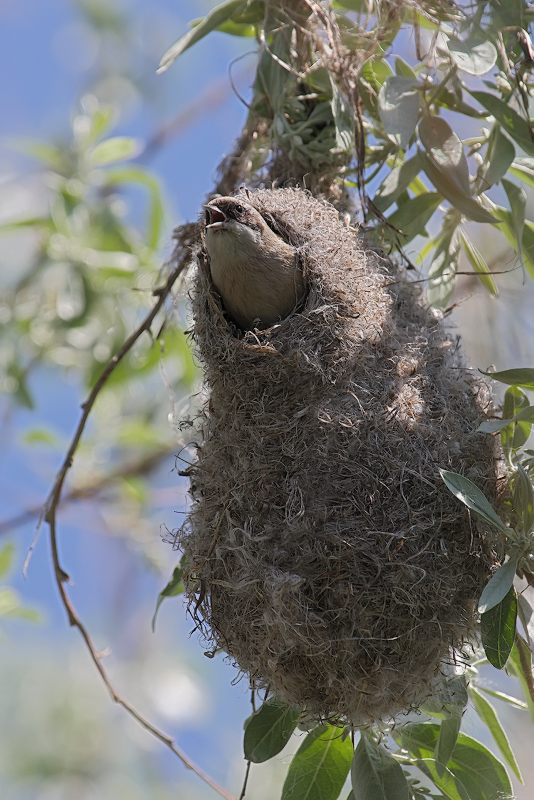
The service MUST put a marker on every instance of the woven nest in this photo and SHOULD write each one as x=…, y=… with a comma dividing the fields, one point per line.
x=325, y=555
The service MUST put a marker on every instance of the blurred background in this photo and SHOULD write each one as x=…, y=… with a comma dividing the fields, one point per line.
x=100, y=158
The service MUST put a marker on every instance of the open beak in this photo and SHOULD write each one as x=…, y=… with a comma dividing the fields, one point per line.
x=215, y=218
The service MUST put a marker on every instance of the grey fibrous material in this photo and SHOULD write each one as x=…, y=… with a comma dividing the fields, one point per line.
x=325, y=555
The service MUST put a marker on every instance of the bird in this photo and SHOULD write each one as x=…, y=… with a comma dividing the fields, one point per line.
x=255, y=271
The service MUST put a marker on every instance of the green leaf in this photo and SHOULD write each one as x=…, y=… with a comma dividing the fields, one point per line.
x=135, y=174
x=402, y=68
x=523, y=499
x=174, y=587
x=498, y=586
x=320, y=766
x=488, y=715
x=498, y=629
x=117, y=148
x=522, y=376
x=471, y=55
x=520, y=665
x=375, y=774
x=516, y=433
x=343, y=119
x=518, y=203
x=479, y=264
x=466, y=491
x=481, y=774
x=448, y=736
x=6, y=559
x=470, y=207
x=268, y=731
x=216, y=17
x=443, y=779
x=412, y=216
x=446, y=150
x=516, y=126
x=523, y=168
x=442, y=272
x=506, y=698
x=501, y=156
x=398, y=107
x=506, y=225
x=396, y=182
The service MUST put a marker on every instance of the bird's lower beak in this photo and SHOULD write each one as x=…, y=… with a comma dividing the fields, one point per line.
x=215, y=218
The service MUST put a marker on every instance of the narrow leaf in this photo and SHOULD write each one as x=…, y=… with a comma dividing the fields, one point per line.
x=215, y=18
x=522, y=376
x=517, y=432
x=498, y=629
x=466, y=491
x=518, y=203
x=520, y=665
x=118, y=148
x=376, y=775
x=320, y=766
x=506, y=698
x=515, y=125
x=268, y=731
x=488, y=715
x=448, y=736
x=396, y=182
x=479, y=264
x=412, y=216
x=498, y=586
x=7, y=554
x=174, y=587
x=501, y=156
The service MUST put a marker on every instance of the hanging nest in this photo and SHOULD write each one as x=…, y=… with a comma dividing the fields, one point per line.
x=325, y=555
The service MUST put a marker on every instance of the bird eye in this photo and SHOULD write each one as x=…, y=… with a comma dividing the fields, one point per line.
x=239, y=209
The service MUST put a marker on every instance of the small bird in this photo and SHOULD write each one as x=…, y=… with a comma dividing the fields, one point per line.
x=255, y=271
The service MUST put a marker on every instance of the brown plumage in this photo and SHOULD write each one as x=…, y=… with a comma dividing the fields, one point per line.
x=255, y=271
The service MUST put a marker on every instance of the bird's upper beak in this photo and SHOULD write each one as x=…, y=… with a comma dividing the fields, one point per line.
x=215, y=218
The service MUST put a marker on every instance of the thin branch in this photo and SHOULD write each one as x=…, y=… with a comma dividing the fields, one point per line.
x=53, y=502
x=142, y=466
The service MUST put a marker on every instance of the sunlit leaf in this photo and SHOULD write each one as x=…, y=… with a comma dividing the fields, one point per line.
x=7, y=554
x=466, y=491
x=118, y=148
x=479, y=264
x=517, y=432
x=216, y=17
x=268, y=731
x=498, y=629
x=375, y=774
x=506, y=698
x=446, y=782
x=488, y=715
x=522, y=376
x=320, y=766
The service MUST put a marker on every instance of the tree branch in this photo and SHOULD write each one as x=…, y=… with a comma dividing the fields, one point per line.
x=54, y=499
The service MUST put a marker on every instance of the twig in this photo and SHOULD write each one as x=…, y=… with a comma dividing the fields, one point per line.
x=140, y=467
x=53, y=502
x=245, y=781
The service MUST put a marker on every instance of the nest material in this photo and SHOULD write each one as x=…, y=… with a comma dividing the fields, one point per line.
x=326, y=556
